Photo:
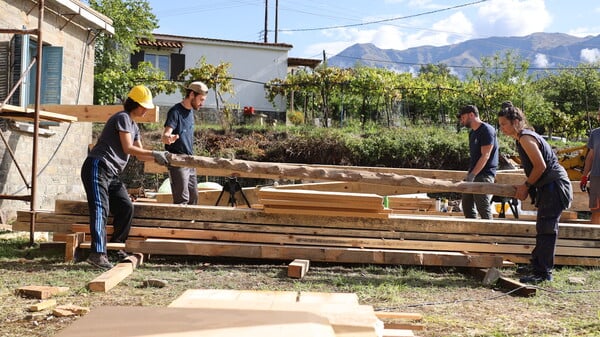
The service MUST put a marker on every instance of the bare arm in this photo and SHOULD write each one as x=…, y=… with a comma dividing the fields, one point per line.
x=486, y=152
x=134, y=148
x=167, y=136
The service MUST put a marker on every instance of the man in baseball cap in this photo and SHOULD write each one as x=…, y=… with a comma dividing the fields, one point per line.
x=178, y=137
x=483, y=149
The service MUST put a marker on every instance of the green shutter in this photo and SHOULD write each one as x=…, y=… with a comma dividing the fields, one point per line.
x=51, y=75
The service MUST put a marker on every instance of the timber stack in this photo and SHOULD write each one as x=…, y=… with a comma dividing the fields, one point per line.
x=344, y=221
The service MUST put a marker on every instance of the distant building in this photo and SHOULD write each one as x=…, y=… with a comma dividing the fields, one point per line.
x=252, y=65
x=67, y=77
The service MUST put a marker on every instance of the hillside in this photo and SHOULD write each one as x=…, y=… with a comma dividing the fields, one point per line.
x=556, y=48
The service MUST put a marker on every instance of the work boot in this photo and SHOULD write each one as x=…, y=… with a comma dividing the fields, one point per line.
x=535, y=278
x=99, y=260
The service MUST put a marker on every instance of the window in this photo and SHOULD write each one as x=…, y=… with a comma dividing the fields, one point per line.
x=22, y=51
x=172, y=64
x=161, y=62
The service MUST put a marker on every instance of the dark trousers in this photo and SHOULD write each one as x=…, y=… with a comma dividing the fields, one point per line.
x=105, y=193
x=546, y=226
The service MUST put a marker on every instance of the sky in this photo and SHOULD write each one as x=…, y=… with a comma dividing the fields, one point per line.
x=315, y=27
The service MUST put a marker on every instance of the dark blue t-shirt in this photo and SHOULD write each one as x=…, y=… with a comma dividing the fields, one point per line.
x=484, y=135
x=181, y=120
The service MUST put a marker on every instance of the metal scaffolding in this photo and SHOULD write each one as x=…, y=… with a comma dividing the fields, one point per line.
x=36, y=119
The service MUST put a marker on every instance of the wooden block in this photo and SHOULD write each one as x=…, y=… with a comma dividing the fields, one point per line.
x=41, y=292
x=42, y=305
x=110, y=278
x=298, y=268
x=398, y=315
x=72, y=244
x=404, y=326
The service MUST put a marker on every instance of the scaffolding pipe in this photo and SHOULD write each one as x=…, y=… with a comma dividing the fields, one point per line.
x=8, y=148
x=36, y=122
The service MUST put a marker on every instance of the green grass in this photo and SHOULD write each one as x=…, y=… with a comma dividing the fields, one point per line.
x=452, y=302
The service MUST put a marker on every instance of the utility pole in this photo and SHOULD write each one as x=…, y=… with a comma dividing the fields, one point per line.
x=276, y=18
x=266, y=20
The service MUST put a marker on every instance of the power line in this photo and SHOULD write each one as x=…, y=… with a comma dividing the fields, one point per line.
x=385, y=20
x=462, y=66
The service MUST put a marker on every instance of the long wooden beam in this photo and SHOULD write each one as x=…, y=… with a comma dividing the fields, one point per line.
x=97, y=113
x=290, y=171
x=313, y=253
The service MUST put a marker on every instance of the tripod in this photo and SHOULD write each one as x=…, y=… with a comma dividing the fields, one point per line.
x=232, y=185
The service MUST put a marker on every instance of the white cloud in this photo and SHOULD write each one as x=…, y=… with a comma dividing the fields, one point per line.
x=584, y=31
x=492, y=18
x=590, y=55
x=541, y=61
x=512, y=18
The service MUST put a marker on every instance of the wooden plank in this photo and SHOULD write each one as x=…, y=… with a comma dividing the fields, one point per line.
x=287, y=171
x=508, y=283
x=346, y=316
x=328, y=212
x=41, y=292
x=27, y=114
x=186, y=322
x=110, y=278
x=109, y=245
x=298, y=268
x=411, y=223
x=313, y=253
x=47, y=304
x=324, y=196
x=97, y=113
x=72, y=241
x=308, y=203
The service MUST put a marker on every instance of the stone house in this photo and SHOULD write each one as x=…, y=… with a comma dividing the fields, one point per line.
x=68, y=31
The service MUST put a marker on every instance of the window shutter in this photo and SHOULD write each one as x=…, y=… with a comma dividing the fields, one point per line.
x=16, y=67
x=51, y=75
x=177, y=65
x=136, y=59
x=4, y=56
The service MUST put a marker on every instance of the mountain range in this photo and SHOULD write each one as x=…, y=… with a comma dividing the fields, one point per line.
x=542, y=50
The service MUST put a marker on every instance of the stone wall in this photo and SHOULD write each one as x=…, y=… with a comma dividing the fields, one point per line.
x=61, y=154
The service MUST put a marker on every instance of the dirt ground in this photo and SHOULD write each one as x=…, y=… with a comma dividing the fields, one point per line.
x=452, y=302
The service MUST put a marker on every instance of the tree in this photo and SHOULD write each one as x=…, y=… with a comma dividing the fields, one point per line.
x=113, y=75
x=215, y=77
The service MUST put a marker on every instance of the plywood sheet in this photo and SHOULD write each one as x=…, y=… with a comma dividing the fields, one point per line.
x=193, y=322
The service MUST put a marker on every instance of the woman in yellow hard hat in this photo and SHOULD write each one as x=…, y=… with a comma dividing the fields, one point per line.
x=101, y=171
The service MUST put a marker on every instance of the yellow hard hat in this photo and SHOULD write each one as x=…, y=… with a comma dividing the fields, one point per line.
x=142, y=96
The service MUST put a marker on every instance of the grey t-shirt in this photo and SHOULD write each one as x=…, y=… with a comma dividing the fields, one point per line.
x=594, y=144
x=109, y=147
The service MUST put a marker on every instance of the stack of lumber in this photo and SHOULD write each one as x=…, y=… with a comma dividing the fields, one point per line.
x=225, y=313
x=403, y=239
x=322, y=203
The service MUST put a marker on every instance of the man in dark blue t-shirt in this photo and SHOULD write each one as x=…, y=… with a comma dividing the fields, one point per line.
x=483, y=149
x=178, y=137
